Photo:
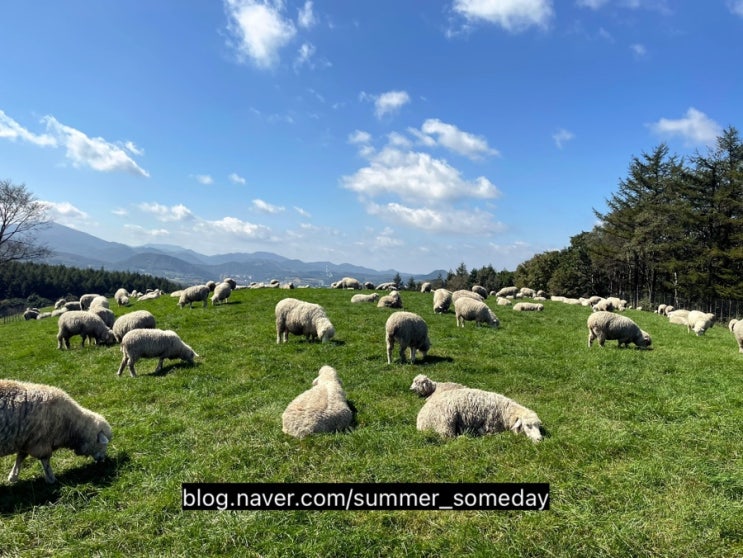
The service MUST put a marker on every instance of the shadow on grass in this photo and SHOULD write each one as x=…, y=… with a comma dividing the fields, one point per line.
x=165, y=370
x=35, y=491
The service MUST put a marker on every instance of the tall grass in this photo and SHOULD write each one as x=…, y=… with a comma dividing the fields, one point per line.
x=643, y=450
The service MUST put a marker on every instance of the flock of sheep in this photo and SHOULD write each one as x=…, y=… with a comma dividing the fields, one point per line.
x=36, y=419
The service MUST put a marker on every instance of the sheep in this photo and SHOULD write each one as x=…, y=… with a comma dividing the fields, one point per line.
x=365, y=298
x=72, y=305
x=369, y=285
x=322, y=408
x=43, y=315
x=607, y=325
x=479, y=289
x=388, y=286
x=738, y=334
x=426, y=287
x=528, y=307
x=391, y=300
x=302, y=318
x=426, y=387
x=409, y=330
x=508, y=291
x=98, y=301
x=86, y=299
x=85, y=324
x=230, y=281
x=679, y=317
x=731, y=323
x=699, y=322
x=661, y=309
x=502, y=301
x=121, y=296
x=60, y=302
x=474, y=310
x=31, y=314
x=441, y=300
x=152, y=295
x=347, y=283
x=221, y=293
x=104, y=314
x=36, y=419
x=474, y=411
x=603, y=305
x=193, y=294
x=153, y=343
x=139, y=319
x=526, y=292
x=465, y=293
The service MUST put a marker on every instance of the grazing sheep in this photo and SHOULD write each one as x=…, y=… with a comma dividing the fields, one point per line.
x=221, y=293
x=31, y=314
x=193, y=294
x=72, y=305
x=153, y=343
x=479, y=289
x=409, y=330
x=86, y=299
x=391, y=300
x=732, y=323
x=85, y=324
x=661, y=309
x=302, y=318
x=322, y=408
x=230, y=281
x=679, y=317
x=365, y=298
x=104, y=314
x=441, y=301
x=738, y=334
x=426, y=287
x=508, y=291
x=37, y=419
x=139, y=319
x=426, y=387
x=699, y=322
x=526, y=292
x=607, y=325
x=466, y=294
x=347, y=283
x=98, y=301
x=474, y=310
x=477, y=412
x=121, y=296
x=528, y=307
x=603, y=305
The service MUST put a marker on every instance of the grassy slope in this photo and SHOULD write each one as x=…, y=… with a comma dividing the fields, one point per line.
x=643, y=453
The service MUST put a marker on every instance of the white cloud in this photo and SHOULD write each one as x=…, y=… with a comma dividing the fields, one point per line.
x=561, y=137
x=147, y=233
x=449, y=221
x=10, y=129
x=512, y=15
x=95, y=153
x=260, y=30
x=386, y=103
x=236, y=178
x=736, y=7
x=63, y=212
x=593, y=4
x=120, y=211
x=359, y=136
x=164, y=213
x=638, y=49
x=453, y=138
x=133, y=149
x=696, y=128
x=204, y=179
x=237, y=228
x=304, y=56
x=302, y=212
x=306, y=18
x=265, y=207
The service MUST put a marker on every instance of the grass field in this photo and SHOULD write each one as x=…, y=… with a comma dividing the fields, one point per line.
x=642, y=453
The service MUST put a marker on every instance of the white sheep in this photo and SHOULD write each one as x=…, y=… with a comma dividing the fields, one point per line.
x=426, y=287
x=479, y=289
x=37, y=419
x=98, y=301
x=526, y=292
x=153, y=343
x=103, y=313
x=31, y=314
x=121, y=296
x=139, y=319
x=302, y=318
x=72, y=305
x=86, y=299
x=467, y=309
x=365, y=298
x=60, y=302
x=391, y=300
x=230, y=281
x=699, y=322
x=426, y=387
x=85, y=324
x=661, y=309
x=603, y=305
x=322, y=408
x=347, y=283
x=502, y=301
x=508, y=291
x=221, y=293
x=466, y=294
x=441, y=300
x=192, y=294
x=609, y=326
x=738, y=334
x=731, y=323
x=474, y=411
x=679, y=317
x=528, y=307
x=409, y=330
x=152, y=295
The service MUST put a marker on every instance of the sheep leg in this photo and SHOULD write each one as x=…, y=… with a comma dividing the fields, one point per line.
x=132, y=372
x=14, y=472
x=412, y=355
x=159, y=365
x=123, y=364
x=591, y=337
x=390, y=345
x=402, y=353
x=48, y=474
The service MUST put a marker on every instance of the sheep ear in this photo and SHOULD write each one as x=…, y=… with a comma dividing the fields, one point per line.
x=517, y=426
x=102, y=438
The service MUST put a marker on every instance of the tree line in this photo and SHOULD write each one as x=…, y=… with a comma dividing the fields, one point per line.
x=671, y=233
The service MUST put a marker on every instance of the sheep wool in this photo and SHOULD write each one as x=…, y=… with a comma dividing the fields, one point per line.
x=408, y=330
x=467, y=309
x=479, y=289
x=347, y=283
x=477, y=412
x=153, y=343
x=221, y=293
x=83, y=323
x=193, y=294
x=466, y=294
x=104, y=314
x=322, y=408
x=426, y=387
x=365, y=298
x=609, y=326
x=302, y=318
x=391, y=300
x=86, y=299
x=699, y=322
x=139, y=319
x=738, y=334
x=441, y=300
x=528, y=307
x=36, y=419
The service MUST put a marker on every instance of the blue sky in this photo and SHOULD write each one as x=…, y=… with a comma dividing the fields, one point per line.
x=392, y=134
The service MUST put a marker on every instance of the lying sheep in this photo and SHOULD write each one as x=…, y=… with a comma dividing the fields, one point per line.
x=608, y=326
x=85, y=324
x=302, y=318
x=508, y=291
x=322, y=408
x=467, y=309
x=221, y=293
x=426, y=387
x=501, y=301
x=391, y=300
x=526, y=292
x=139, y=319
x=347, y=283
x=103, y=313
x=195, y=293
x=441, y=300
x=699, y=322
x=72, y=305
x=153, y=343
x=37, y=419
x=365, y=298
x=738, y=334
x=409, y=330
x=474, y=411
x=528, y=307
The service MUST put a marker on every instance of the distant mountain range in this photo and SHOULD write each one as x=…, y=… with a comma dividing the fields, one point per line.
x=74, y=248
